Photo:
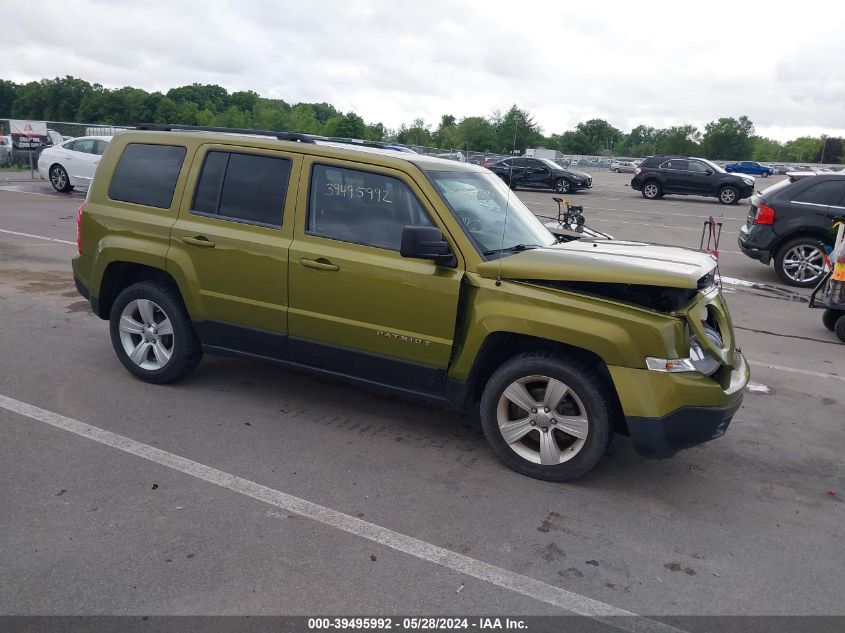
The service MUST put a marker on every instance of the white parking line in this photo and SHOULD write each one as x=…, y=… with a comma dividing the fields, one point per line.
x=506, y=579
x=37, y=237
x=795, y=370
x=684, y=215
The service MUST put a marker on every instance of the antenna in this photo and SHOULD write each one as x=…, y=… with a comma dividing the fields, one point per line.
x=507, y=206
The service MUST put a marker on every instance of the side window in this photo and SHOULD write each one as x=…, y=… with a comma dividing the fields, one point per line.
x=507, y=162
x=147, y=174
x=245, y=187
x=824, y=193
x=84, y=145
x=99, y=147
x=677, y=164
x=699, y=168
x=361, y=207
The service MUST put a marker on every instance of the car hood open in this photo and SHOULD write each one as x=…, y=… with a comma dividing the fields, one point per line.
x=605, y=261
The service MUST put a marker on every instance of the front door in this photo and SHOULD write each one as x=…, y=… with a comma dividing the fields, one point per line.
x=231, y=242
x=537, y=174
x=81, y=160
x=356, y=305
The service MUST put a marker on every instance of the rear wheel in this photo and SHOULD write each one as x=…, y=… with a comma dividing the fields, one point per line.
x=546, y=416
x=652, y=190
x=800, y=262
x=728, y=195
x=59, y=179
x=152, y=334
x=765, y=174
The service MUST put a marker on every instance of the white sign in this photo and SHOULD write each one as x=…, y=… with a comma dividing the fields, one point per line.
x=28, y=128
x=28, y=134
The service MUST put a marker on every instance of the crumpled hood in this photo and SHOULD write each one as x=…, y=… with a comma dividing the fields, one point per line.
x=605, y=261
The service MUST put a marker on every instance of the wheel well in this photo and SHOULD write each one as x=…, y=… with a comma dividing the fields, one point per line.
x=121, y=275
x=500, y=347
x=820, y=235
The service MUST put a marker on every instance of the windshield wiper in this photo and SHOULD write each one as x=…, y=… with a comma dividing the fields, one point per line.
x=512, y=249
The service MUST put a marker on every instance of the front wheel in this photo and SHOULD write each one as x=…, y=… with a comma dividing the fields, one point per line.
x=765, y=174
x=839, y=329
x=546, y=417
x=59, y=179
x=562, y=185
x=152, y=334
x=830, y=317
x=728, y=195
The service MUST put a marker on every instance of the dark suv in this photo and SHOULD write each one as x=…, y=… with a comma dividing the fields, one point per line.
x=791, y=222
x=540, y=173
x=659, y=175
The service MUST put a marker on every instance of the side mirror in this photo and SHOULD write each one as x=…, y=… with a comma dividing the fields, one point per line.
x=426, y=242
x=709, y=172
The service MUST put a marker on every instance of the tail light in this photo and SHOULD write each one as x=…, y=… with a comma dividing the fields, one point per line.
x=637, y=171
x=765, y=214
x=79, y=228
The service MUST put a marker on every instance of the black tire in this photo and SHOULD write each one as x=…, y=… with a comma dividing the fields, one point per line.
x=780, y=257
x=186, y=351
x=729, y=195
x=582, y=381
x=59, y=179
x=839, y=330
x=616, y=170
x=652, y=190
x=765, y=174
x=830, y=317
x=562, y=185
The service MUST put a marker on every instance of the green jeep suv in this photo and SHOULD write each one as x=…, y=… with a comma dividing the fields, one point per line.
x=422, y=276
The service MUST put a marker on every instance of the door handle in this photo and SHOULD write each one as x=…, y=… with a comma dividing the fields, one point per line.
x=199, y=240
x=316, y=264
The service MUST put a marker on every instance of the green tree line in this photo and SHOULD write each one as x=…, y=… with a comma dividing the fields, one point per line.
x=72, y=99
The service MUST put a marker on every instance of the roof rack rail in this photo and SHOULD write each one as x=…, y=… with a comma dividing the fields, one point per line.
x=282, y=136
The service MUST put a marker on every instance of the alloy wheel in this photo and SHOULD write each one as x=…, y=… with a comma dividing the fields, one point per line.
x=146, y=334
x=542, y=420
x=58, y=178
x=803, y=263
x=651, y=190
x=727, y=196
x=562, y=186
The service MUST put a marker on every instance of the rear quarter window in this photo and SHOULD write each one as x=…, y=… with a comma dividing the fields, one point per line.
x=146, y=174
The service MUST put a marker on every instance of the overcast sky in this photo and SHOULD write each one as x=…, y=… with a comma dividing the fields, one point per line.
x=392, y=61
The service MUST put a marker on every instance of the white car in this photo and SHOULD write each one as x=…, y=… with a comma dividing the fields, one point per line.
x=72, y=163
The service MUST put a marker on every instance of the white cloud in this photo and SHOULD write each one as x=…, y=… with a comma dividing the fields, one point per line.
x=658, y=63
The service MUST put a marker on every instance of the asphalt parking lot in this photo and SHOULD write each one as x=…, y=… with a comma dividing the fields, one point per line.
x=334, y=480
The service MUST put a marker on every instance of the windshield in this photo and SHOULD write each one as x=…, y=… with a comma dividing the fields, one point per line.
x=550, y=163
x=712, y=166
x=479, y=201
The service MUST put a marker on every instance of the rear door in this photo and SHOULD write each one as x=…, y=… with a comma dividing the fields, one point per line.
x=356, y=305
x=231, y=242
x=814, y=206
